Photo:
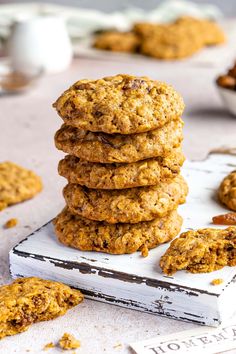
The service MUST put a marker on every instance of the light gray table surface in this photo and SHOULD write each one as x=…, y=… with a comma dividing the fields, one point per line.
x=27, y=127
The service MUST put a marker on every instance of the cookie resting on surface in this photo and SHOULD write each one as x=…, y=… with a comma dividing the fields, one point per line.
x=178, y=39
x=30, y=300
x=87, y=235
x=227, y=191
x=168, y=41
x=208, y=31
x=17, y=184
x=127, y=42
x=201, y=251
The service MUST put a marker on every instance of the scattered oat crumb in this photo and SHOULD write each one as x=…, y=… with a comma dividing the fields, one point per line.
x=49, y=346
x=217, y=281
x=117, y=346
x=144, y=251
x=3, y=205
x=11, y=223
x=68, y=341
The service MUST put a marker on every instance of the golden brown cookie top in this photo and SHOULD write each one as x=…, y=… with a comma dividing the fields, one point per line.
x=199, y=251
x=23, y=289
x=17, y=183
x=119, y=104
x=227, y=191
x=30, y=300
x=144, y=29
x=210, y=32
x=169, y=41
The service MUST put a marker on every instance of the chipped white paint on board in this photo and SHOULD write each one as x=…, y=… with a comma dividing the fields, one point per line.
x=136, y=282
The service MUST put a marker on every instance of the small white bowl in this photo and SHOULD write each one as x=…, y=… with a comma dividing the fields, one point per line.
x=229, y=98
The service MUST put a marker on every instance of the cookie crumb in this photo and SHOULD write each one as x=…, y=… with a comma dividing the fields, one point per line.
x=217, y=281
x=117, y=346
x=68, y=341
x=3, y=205
x=11, y=223
x=144, y=251
x=48, y=346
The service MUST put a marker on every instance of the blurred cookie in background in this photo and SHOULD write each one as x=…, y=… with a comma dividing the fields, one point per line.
x=173, y=40
x=17, y=184
x=116, y=41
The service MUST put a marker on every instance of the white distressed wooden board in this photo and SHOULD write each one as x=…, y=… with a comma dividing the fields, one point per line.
x=136, y=282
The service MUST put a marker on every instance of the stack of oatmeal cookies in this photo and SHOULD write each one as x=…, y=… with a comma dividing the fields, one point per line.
x=123, y=138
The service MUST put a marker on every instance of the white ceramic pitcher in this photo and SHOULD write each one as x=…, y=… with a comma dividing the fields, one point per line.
x=40, y=42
